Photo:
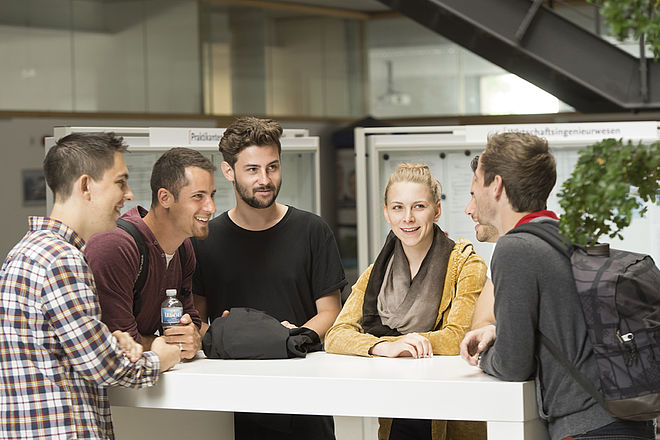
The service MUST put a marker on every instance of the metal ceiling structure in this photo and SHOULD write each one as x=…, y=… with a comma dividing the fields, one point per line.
x=530, y=40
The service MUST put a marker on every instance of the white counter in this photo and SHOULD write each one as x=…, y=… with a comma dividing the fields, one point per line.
x=442, y=387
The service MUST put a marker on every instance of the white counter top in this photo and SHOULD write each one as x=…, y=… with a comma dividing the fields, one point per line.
x=442, y=387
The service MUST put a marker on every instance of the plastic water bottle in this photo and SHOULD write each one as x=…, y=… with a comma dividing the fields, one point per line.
x=171, y=310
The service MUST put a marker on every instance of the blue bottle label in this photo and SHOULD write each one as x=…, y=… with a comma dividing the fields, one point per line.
x=171, y=316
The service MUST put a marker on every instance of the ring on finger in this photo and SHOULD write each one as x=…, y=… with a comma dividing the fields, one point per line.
x=180, y=346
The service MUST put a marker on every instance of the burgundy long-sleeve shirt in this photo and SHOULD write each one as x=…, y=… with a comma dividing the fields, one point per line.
x=114, y=259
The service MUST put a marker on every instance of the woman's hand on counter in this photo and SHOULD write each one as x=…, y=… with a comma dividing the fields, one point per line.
x=412, y=344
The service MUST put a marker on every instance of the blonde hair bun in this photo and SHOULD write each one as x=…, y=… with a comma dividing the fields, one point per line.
x=416, y=173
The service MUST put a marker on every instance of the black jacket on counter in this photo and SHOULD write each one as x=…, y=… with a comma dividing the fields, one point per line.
x=252, y=334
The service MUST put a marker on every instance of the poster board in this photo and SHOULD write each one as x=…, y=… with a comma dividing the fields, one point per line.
x=448, y=150
x=300, y=162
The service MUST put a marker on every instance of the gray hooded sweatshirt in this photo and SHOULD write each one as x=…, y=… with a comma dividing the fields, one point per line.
x=535, y=292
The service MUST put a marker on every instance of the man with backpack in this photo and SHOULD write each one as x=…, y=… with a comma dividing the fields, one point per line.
x=535, y=295
x=150, y=252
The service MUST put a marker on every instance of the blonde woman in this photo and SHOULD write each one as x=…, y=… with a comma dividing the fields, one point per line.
x=417, y=298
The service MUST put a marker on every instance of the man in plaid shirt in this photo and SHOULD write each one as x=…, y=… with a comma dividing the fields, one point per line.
x=56, y=356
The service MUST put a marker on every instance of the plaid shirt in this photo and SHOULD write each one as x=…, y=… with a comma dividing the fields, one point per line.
x=56, y=356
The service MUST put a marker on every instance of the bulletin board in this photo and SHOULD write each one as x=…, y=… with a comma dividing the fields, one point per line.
x=299, y=159
x=448, y=150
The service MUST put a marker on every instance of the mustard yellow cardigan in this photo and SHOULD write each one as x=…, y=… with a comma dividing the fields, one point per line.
x=466, y=275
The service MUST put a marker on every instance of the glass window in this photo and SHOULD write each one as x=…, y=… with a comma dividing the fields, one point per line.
x=415, y=72
x=93, y=55
x=281, y=62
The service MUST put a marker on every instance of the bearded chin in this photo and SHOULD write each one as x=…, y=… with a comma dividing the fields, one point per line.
x=256, y=203
x=253, y=201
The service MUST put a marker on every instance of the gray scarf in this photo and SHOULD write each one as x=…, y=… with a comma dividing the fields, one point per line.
x=394, y=304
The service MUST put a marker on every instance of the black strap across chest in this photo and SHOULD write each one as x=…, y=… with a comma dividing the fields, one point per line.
x=143, y=266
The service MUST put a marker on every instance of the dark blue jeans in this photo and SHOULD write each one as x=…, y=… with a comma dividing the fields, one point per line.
x=620, y=430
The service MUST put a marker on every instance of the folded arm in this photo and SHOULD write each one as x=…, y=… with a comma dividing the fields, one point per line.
x=346, y=336
x=72, y=309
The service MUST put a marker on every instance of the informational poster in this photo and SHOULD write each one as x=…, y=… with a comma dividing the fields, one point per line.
x=451, y=167
x=450, y=164
x=576, y=132
x=460, y=225
x=300, y=182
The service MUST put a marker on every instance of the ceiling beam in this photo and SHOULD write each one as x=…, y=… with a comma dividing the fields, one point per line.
x=297, y=7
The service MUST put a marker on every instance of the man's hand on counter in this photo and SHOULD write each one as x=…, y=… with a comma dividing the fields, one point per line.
x=186, y=336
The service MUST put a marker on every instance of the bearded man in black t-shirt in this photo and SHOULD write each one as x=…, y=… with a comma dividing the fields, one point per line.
x=268, y=256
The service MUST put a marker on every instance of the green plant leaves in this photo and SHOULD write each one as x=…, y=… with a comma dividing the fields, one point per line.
x=633, y=17
x=611, y=181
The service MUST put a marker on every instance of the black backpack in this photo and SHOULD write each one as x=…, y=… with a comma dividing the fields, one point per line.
x=143, y=267
x=619, y=292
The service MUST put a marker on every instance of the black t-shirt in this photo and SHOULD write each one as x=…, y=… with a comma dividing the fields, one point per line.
x=282, y=270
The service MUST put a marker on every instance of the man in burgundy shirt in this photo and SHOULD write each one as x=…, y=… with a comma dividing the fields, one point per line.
x=182, y=190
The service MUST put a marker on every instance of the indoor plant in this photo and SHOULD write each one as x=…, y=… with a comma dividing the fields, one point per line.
x=611, y=181
x=636, y=18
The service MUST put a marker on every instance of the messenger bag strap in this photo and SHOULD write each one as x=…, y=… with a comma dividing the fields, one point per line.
x=574, y=372
x=143, y=266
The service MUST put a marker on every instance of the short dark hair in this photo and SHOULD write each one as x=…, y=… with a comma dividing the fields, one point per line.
x=527, y=168
x=247, y=131
x=169, y=171
x=474, y=163
x=78, y=154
